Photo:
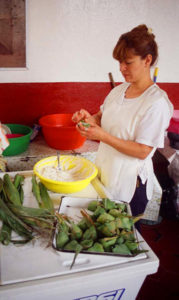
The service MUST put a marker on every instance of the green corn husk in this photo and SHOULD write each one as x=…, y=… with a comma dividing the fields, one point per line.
x=63, y=222
x=128, y=235
x=98, y=211
x=105, y=217
x=122, y=207
x=8, y=217
x=83, y=224
x=31, y=211
x=39, y=225
x=120, y=240
x=10, y=190
x=20, y=242
x=131, y=245
x=90, y=234
x=45, y=198
x=65, y=227
x=76, y=232
x=5, y=234
x=137, y=218
x=118, y=222
x=86, y=244
x=36, y=190
x=37, y=218
x=121, y=249
x=108, y=229
x=89, y=220
x=18, y=183
x=124, y=223
x=62, y=239
x=127, y=223
x=97, y=247
x=92, y=206
x=107, y=242
x=108, y=204
x=21, y=193
x=115, y=212
x=139, y=251
x=1, y=185
x=25, y=221
x=18, y=180
x=73, y=246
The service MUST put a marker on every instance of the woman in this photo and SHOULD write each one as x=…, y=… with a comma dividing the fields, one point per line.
x=131, y=122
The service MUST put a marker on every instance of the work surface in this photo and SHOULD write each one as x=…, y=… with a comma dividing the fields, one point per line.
x=38, y=149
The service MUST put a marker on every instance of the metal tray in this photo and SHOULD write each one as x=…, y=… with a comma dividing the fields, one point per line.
x=71, y=207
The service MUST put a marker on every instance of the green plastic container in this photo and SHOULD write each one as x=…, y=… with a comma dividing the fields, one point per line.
x=19, y=144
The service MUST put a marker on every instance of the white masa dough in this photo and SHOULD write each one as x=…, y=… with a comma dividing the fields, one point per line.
x=53, y=173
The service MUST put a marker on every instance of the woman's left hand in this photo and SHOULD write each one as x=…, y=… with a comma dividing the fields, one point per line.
x=93, y=132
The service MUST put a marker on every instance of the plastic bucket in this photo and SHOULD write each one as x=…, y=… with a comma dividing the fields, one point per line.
x=19, y=144
x=60, y=132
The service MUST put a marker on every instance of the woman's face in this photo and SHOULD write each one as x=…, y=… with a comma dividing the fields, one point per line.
x=134, y=68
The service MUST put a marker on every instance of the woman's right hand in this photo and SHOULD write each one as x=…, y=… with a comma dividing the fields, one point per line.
x=80, y=115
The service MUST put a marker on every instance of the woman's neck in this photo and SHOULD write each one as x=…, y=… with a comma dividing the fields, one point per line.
x=135, y=89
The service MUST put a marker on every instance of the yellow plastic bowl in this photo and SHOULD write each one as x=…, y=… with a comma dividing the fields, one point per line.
x=87, y=168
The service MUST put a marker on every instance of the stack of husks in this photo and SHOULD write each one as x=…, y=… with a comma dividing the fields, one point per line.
x=105, y=226
x=28, y=223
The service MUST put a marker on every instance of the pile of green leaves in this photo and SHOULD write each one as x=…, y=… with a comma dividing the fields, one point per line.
x=28, y=223
x=106, y=228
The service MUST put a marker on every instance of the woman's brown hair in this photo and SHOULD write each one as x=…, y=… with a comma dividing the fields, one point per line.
x=140, y=40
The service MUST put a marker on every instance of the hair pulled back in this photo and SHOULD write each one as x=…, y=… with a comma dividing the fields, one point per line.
x=140, y=40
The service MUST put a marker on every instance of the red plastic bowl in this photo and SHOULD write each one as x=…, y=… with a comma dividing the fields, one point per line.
x=60, y=132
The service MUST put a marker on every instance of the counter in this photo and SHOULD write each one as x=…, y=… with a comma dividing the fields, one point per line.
x=38, y=149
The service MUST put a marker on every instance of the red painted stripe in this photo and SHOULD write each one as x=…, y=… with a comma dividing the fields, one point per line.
x=25, y=103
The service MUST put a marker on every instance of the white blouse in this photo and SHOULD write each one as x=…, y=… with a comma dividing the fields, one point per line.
x=144, y=120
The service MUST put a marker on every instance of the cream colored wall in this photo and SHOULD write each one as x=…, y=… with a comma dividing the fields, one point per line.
x=72, y=40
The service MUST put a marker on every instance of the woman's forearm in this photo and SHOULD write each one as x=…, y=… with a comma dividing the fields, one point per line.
x=127, y=147
x=95, y=132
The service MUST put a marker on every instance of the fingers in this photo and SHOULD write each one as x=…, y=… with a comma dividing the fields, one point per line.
x=81, y=126
x=82, y=129
x=77, y=116
x=80, y=115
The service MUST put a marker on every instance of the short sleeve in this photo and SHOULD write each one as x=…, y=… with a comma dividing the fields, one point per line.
x=152, y=127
